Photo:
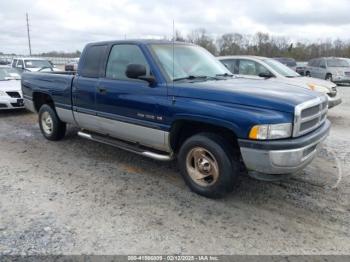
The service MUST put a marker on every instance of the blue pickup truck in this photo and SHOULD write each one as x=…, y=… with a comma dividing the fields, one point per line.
x=167, y=100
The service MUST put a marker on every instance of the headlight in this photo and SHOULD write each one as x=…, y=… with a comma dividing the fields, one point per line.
x=276, y=131
x=2, y=93
x=339, y=73
x=318, y=88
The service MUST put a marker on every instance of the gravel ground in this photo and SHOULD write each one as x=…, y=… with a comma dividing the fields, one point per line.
x=77, y=196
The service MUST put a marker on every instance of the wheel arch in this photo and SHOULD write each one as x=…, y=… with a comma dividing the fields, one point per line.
x=41, y=98
x=181, y=129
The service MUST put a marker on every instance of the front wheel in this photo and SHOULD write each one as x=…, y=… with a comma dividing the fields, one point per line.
x=51, y=126
x=208, y=165
x=329, y=77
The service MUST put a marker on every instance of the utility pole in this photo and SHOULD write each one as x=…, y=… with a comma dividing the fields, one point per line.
x=30, y=47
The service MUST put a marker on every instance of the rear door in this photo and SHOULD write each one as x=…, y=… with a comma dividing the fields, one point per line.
x=315, y=72
x=322, y=69
x=127, y=108
x=85, y=85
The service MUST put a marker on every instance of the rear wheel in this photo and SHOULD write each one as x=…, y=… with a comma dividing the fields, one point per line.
x=307, y=74
x=208, y=165
x=51, y=126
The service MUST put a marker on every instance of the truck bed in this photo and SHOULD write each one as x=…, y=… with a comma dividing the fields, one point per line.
x=56, y=84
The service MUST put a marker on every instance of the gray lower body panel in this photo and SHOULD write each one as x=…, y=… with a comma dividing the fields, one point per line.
x=65, y=115
x=150, y=137
x=29, y=105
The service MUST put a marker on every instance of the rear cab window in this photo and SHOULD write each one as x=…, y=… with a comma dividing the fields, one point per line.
x=94, y=58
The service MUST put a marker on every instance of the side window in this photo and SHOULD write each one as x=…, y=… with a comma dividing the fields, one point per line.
x=248, y=67
x=316, y=63
x=14, y=62
x=120, y=57
x=93, y=57
x=20, y=63
x=231, y=65
x=260, y=69
x=323, y=63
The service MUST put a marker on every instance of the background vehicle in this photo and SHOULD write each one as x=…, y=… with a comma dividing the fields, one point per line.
x=287, y=61
x=33, y=64
x=301, y=66
x=347, y=60
x=162, y=99
x=263, y=67
x=332, y=69
x=4, y=61
x=10, y=89
x=72, y=65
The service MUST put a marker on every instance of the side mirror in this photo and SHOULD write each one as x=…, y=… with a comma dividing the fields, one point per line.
x=266, y=75
x=137, y=71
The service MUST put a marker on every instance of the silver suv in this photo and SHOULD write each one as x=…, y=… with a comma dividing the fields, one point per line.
x=333, y=69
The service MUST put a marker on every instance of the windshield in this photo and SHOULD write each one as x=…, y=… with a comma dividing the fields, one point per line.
x=9, y=74
x=189, y=61
x=37, y=63
x=281, y=68
x=337, y=63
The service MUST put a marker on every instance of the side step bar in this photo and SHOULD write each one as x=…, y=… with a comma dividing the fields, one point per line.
x=126, y=146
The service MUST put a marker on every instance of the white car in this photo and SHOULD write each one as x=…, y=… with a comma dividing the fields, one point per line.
x=263, y=67
x=10, y=89
x=33, y=64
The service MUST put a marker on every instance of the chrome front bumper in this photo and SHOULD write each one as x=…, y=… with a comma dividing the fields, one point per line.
x=282, y=156
x=334, y=101
x=341, y=79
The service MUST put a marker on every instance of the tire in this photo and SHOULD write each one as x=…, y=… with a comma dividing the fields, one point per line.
x=329, y=78
x=216, y=150
x=308, y=74
x=51, y=126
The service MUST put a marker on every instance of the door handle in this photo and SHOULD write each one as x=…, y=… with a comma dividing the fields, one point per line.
x=102, y=90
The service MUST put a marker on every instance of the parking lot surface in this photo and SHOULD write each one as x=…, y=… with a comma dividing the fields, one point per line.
x=77, y=196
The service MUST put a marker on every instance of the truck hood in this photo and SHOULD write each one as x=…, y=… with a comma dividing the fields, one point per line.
x=259, y=93
x=10, y=85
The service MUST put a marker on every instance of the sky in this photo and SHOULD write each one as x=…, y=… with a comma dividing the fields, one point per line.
x=67, y=25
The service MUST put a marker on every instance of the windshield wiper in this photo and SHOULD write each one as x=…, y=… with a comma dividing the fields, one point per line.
x=192, y=77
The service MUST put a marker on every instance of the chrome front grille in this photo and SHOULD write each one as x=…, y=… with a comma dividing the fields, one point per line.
x=310, y=115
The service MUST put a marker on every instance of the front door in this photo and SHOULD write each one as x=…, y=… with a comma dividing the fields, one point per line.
x=84, y=88
x=127, y=108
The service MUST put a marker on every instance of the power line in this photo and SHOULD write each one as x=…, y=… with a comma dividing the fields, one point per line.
x=30, y=47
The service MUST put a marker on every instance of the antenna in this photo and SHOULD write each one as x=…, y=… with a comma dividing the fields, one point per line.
x=173, y=51
x=30, y=47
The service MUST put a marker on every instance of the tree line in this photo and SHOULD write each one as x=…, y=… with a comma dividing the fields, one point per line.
x=261, y=44
x=264, y=44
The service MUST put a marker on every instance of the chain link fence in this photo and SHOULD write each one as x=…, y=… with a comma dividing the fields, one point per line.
x=54, y=60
